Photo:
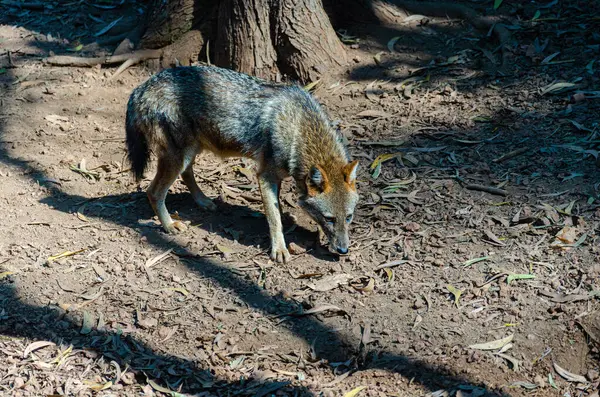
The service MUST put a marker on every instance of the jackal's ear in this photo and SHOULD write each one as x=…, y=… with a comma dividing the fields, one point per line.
x=316, y=181
x=350, y=171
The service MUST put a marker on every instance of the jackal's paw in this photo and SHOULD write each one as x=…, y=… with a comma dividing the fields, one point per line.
x=207, y=204
x=280, y=254
x=175, y=227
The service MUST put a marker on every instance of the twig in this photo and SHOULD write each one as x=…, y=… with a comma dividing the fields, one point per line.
x=510, y=155
x=488, y=189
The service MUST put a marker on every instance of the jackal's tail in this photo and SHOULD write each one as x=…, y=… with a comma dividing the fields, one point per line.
x=138, y=150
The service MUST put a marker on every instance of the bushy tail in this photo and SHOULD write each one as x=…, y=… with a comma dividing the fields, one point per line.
x=138, y=151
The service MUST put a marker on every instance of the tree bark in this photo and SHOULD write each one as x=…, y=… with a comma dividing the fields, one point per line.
x=306, y=43
x=243, y=41
x=167, y=21
x=264, y=38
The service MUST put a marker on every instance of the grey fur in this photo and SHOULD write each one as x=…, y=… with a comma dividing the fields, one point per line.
x=179, y=112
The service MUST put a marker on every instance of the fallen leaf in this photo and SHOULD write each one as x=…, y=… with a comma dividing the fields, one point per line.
x=98, y=386
x=311, y=86
x=571, y=377
x=373, y=114
x=560, y=298
x=100, y=272
x=88, y=323
x=330, y=282
x=225, y=249
x=392, y=43
x=366, y=335
x=320, y=309
x=181, y=290
x=158, y=258
x=92, y=296
x=390, y=274
x=556, y=88
x=36, y=346
x=365, y=288
x=418, y=321
x=354, y=392
x=108, y=27
x=379, y=160
x=525, y=385
x=493, y=345
x=492, y=238
x=64, y=255
x=512, y=277
x=474, y=260
x=76, y=48
x=551, y=381
x=550, y=57
x=515, y=363
x=162, y=389
x=371, y=92
x=391, y=264
x=456, y=292
x=80, y=213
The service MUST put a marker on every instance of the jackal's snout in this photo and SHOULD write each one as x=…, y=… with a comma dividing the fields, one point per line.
x=330, y=200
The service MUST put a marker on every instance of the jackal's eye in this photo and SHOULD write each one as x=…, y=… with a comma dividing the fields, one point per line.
x=330, y=220
x=349, y=218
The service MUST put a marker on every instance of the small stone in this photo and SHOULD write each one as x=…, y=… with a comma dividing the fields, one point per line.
x=295, y=249
x=18, y=382
x=147, y=323
x=593, y=375
x=418, y=304
x=540, y=381
x=128, y=378
x=412, y=227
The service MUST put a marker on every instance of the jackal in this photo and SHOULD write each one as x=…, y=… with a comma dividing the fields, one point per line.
x=180, y=112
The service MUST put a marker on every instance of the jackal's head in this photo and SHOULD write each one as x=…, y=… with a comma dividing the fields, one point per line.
x=330, y=200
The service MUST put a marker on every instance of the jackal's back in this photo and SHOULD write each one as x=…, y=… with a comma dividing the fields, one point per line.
x=228, y=113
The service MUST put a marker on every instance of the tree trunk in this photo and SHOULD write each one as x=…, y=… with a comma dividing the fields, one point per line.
x=244, y=42
x=265, y=38
x=306, y=43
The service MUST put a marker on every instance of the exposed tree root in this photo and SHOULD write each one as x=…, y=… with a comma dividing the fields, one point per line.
x=65, y=60
x=181, y=52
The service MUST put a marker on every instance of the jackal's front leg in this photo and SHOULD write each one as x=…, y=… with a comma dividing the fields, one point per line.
x=269, y=189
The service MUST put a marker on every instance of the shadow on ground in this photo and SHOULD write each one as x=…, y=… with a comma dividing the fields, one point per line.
x=21, y=318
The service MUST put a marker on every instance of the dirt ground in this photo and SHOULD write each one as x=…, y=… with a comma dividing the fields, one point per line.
x=479, y=223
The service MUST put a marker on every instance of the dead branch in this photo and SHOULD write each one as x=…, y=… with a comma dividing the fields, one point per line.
x=487, y=189
x=66, y=60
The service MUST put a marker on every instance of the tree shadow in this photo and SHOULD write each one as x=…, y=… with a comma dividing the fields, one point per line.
x=127, y=350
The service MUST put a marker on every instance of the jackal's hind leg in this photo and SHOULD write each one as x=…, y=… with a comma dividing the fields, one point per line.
x=167, y=172
x=200, y=198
